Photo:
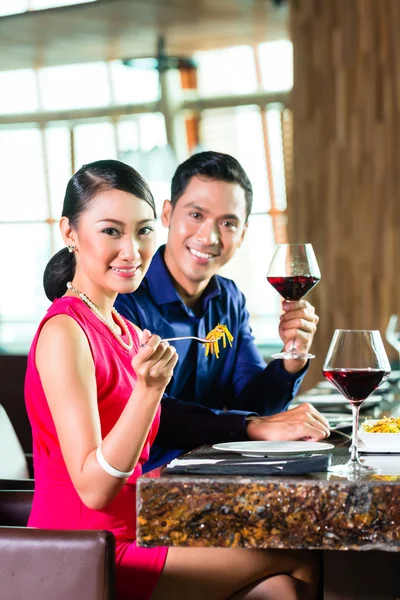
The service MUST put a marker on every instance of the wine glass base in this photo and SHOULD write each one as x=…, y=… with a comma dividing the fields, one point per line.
x=290, y=356
x=352, y=470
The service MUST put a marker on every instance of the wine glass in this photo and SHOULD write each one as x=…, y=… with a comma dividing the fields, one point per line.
x=356, y=364
x=293, y=272
x=393, y=332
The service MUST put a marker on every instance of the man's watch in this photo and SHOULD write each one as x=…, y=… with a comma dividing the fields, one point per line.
x=251, y=417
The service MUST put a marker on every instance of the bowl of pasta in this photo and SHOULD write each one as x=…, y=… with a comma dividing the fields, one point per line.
x=381, y=433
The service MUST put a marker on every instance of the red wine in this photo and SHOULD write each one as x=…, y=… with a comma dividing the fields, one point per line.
x=355, y=384
x=293, y=288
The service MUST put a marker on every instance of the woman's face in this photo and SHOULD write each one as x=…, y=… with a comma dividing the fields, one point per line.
x=115, y=241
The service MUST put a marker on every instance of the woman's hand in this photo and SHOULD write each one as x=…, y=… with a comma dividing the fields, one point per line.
x=155, y=361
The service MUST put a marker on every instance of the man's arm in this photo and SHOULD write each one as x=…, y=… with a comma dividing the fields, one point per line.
x=188, y=425
x=271, y=390
x=264, y=389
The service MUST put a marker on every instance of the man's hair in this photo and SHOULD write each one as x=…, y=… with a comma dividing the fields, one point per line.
x=215, y=166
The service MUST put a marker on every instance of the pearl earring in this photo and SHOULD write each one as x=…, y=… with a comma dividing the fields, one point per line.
x=71, y=248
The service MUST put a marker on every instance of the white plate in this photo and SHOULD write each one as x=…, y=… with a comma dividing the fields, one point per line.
x=385, y=465
x=376, y=449
x=379, y=442
x=272, y=448
x=336, y=400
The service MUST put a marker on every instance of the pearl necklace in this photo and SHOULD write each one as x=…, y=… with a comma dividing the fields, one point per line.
x=111, y=326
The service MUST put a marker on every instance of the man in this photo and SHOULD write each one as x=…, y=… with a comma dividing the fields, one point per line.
x=234, y=397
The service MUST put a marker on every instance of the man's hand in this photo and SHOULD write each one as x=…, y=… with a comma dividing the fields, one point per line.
x=301, y=423
x=298, y=322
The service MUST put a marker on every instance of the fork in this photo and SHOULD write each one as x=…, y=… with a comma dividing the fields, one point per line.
x=189, y=337
x=185, y=337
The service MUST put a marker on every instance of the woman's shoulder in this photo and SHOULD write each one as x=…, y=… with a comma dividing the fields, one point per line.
x=63, y=305
x=73, y=309
x=61, y=329
x=62, y=325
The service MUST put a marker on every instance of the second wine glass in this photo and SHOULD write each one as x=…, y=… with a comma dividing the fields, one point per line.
x=356, y=364
x=293, y=272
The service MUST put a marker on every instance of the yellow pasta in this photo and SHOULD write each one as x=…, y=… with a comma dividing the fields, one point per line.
x=386, y=477
x=220, y=331
x=385, y=425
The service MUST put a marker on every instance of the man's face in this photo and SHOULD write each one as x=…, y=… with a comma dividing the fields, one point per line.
x=206, y=227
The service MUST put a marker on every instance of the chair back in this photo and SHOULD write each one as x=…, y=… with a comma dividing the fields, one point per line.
x=48, y=564
x=13, y=464
x=43, y=564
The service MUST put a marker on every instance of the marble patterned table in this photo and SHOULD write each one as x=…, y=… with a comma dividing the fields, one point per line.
x=318, y=511
x=354, y=524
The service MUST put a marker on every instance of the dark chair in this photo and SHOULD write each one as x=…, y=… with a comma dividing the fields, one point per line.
x=46, y=564
x=13, y=462
x=16, y=469
x=17, y=484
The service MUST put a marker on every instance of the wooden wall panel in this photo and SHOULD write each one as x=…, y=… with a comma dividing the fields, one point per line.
x=346, y=152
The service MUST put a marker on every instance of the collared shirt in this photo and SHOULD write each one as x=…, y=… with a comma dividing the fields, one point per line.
x=207, y=399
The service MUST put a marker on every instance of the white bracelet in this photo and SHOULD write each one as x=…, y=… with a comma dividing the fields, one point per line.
x=108, y=468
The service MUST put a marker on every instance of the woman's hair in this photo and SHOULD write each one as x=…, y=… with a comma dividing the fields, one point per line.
x=81, y=191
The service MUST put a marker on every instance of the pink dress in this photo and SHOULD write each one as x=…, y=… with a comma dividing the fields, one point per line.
x=56, y=504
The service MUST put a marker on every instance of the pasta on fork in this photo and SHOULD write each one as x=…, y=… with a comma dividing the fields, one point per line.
x=220, y=331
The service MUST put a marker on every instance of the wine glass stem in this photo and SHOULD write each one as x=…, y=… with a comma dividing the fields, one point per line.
x=354, y=436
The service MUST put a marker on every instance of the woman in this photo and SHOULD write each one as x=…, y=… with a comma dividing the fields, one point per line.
x=93, y=388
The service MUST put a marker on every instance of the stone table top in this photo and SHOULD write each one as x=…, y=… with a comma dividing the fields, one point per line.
x=316, y=511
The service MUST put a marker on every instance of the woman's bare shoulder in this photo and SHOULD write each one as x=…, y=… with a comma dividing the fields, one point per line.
x=61, y=337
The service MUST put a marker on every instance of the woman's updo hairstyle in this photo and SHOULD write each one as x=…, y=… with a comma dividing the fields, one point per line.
x=81, y=190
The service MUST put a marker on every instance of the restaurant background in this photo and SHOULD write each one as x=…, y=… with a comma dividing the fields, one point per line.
x=54, y=118
x=306, y=94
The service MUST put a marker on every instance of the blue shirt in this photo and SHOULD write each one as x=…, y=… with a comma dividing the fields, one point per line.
x=207, y=399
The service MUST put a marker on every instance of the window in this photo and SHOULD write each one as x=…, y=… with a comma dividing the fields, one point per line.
x=23, y=175
x=11, y=7
x=18, y=92
x=276, y=62
x=226, y=71
x=38, y=158
x=27, y=248
x=67, y=86
x=238, y=131
x=134, y=85
x=41, y=4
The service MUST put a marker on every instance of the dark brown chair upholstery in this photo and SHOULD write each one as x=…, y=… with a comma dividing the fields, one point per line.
x=41, y=564
x=17, y=484
x=15, y=507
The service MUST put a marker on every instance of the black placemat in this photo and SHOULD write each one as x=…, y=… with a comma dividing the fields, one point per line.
x=257, y=466
x=339, y=455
